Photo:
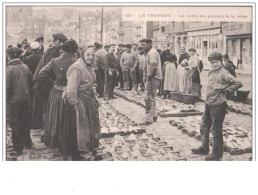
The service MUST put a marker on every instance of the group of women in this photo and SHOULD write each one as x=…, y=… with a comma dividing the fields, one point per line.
x=183, y=77
x=72, y=118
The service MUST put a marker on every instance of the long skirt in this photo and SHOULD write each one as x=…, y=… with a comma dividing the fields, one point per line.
x=171, y=81
x=60, y=123
x=88, y=125
x=181, y=72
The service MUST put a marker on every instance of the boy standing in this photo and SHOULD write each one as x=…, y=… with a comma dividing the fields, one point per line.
x=220, y=82
x=18, y=85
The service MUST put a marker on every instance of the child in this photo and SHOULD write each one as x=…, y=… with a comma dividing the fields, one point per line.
x=18, y=85
x=220, y=82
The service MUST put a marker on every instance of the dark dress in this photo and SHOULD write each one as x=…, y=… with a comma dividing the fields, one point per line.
x=59, y=125
x=42, y=88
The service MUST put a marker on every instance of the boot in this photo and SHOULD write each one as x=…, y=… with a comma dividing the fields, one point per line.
x=213, y=157
x=200, y=150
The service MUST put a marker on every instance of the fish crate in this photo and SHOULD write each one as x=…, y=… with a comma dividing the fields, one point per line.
x=176, y=96
x=189, y=98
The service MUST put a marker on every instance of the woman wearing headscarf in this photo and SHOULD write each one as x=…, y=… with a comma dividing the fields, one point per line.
x=193, y=82
x=59, y=124
x=170, y=73
x=81, y=94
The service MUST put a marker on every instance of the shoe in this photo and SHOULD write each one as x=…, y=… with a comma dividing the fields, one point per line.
x=106, y=99
x=113, y=97
x=100, y=96
x=200, y=150
x=155, y=119
x=213, y=157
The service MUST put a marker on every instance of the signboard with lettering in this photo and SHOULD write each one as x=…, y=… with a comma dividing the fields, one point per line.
x=237, y=28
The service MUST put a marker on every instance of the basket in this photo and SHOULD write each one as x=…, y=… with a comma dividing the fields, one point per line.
x=189, y=98
x=176, y=96
x=242, y=95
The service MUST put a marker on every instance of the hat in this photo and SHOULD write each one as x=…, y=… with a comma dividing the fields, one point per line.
x=215, y=56
x=121, y=45
x=60, y=36
x=70, y=46
x=112, y=45
x=41, y=38
x=34, y=45
x=19, y=45
x=25, y=41
x=10, y=46
x=96, y=44
x=128, y=46
x=106, y=46
x=14, y=52
x=146, y=40
x=192, y=49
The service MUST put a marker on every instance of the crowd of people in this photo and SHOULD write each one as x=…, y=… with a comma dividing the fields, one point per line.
x=57, y=90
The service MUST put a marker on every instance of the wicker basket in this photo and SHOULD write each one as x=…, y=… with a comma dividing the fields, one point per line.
x=189, y=98
x=176, y=96
x=242, y=95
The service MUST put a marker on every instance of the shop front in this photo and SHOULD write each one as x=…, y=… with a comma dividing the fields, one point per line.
x=239, y=44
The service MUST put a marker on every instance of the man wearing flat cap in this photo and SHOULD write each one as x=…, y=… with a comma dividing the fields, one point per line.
x=40, y=40
x=129, y=61
x=32, y=60
x=99, y=67
x=152, y=76
x=43, y=87
x=220, y=82
x=18, y=86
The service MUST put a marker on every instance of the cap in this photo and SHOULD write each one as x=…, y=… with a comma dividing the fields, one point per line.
x=146, y=40
x=34, y=45
x=215, y=56
x=14, y=52
x=121, y=45
x=192, y=49
x=60, y=36
x=112, y=45
x=128, y=46
x=106, y=46
x=96, y=44
x=25, y=41
x=41, y=38
x=70, y=46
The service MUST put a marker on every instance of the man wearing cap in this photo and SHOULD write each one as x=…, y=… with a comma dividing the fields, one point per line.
x=152, y=76
x=43, y=87
x=40, y=40
x=18, y=85
x=119, y=53
x=99, y=68
x=32, y=60
x=110, y=73
x=129, y=62
x=220, y=82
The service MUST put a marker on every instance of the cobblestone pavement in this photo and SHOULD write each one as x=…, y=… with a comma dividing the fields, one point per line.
x=181, y=142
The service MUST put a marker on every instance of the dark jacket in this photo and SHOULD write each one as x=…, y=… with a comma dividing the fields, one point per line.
x=230, y=67
x=167, y=56
x=18, y=82
x=183, y=56
x=32, y=61
x=110, y=61
x=52, y=52
x=60, y=66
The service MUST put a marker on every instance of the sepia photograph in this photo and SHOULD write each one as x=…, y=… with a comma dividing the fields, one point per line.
x=128, y=83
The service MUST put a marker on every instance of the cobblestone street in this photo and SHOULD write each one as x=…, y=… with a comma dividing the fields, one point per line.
x=131, y=114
